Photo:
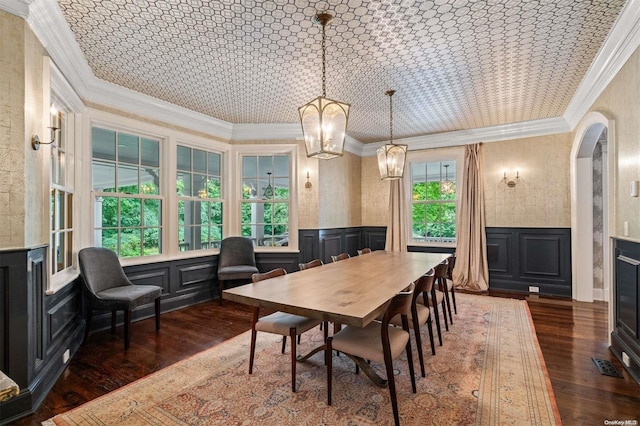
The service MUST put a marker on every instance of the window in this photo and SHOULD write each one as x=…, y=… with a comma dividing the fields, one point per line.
x=126, y=183
x=433, y=201
x=61, y=199
x=265, y=200
x=198, y=186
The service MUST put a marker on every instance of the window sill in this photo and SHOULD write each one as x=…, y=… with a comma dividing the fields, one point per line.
x=61, y=280
x=431, y=244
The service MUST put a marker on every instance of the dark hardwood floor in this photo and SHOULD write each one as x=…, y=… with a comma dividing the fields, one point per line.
x=569, y=333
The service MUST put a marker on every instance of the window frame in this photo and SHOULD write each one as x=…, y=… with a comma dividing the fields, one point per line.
x=432, y=156
x=235, y=226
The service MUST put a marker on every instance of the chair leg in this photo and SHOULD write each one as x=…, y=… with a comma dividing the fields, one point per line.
x=411, y=369
x=444, y=313
x=220, y=288
x=437, y=316
x=416, y=332
x=113, y=321
x=430, y=324
x=127, y=328
x=448, y=300
x=292, y=334
x=252, y=350
x=388, y=363
x=299, y=337
x=453, y=297
x=328, y=360
x=87, y=325
x=284, y=342
x=157, y=303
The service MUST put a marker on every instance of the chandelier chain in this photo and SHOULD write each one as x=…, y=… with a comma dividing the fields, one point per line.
x=391, y=118
x=324, y=76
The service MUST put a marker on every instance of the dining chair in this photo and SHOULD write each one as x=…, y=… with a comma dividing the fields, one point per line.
x=439, y=305
x=280, y=323
x=341, y=256
x=236, y=261
x=451, y=263
x=441, y=283
x=420, y=314
x=310, y=264
x=364, y=251
x=107, y=288
x=377, y=342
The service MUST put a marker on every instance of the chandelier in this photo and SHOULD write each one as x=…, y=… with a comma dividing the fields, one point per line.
x=324, y=121
x=391, y=157
x=447, y=187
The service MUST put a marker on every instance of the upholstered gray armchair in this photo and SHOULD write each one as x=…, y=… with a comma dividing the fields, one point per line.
x=237, y=261
x=109, y=289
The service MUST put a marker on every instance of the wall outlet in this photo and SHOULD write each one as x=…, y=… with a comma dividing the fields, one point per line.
x=65, y=356
x=625, y=359
x=534, y=289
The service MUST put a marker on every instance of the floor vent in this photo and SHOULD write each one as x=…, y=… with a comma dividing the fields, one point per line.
x=606, y=367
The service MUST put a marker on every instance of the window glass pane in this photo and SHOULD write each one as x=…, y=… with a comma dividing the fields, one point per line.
x=130, y=242
x=130, y=212
x=281, y=188
x=448, y=212
x=69, y=256
x=60, y=210
x=52, y=209
x=265, y=165
x=433, y=190
x=103, y=143
x=181, y=212
x=216, y=213
x=246, y=212
x=152, y=212
x=150, y=152
x=69, y=211
x=150, y=179
x=199, y=161
x=60, y=251
x=151, y=241
x=104, y=176
x=213, y=164
x=433, y=213
x=249, y=167
x=108, y=239
x=419, y=216
x=419, y=191
x=433, y=231
x=128, y=148
x=185, y=237
x=109, y=210
x=281, y=165
x=127, y=179
x=199, y=186
x=204, y=212
x=184, y=158
x=58, y=167
x=216, y=236
x=249, y=188
x=183, y=184
x=213, y=188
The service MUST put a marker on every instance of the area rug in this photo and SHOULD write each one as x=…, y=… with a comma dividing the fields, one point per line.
x=489, y=371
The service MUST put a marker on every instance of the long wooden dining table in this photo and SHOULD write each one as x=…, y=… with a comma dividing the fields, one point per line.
x=353, y=291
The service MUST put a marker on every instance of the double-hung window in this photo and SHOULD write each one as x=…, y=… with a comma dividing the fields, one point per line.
x=126, y=176
x=266, y=199
x=61, y=199
x=200, y=203
x=433, y=202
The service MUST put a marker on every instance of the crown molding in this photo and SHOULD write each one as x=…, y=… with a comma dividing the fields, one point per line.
x=266, y=131
x=525, y=129
x=622, y=41
x=16, y=7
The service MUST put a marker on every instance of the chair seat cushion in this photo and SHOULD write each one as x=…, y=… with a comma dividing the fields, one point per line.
x=423, y=316
x=281, y=322
x=366, y=342
x=237, y=272
x=130, y=295
x=439, y=298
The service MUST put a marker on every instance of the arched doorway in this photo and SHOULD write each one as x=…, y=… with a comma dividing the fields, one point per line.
x=594, y=131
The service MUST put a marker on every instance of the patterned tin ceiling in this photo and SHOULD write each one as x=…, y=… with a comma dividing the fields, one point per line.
x=455, y=64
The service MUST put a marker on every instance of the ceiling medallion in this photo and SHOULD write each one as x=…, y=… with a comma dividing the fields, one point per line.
x=391, y=157
x=324, y=121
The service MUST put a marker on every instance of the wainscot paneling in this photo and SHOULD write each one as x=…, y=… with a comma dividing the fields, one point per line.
x=520, y=258
x=625, y=337
x=374, y=237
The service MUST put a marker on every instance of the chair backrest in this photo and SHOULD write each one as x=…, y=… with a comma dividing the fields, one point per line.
x=236, y=251
x=424, y=285
x=266, y=275
x=451, y=263
x=311, y=264
x=400, y=304
x=341, y=256
x=100, y=269
x=364, y=251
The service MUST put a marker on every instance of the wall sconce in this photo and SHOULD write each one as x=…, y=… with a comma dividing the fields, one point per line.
x=54, y=126
x=308, y=184
x=511, y=183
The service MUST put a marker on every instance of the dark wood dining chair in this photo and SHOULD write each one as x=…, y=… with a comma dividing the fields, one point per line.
x=280, y=323
x=107, y=288
x=310, y=264
x=450, y=288
x=420, y=314
x=365, y=250
x=341, y=256
x=438, y=306
x=442, y=286
x=377, y=342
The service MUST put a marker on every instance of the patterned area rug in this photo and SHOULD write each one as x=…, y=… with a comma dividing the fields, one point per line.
x=489, y=371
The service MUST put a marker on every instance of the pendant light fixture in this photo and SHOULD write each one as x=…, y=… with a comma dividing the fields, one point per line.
x=324, y=121
x=268, y=191
x=391, y=157
x=447, y=187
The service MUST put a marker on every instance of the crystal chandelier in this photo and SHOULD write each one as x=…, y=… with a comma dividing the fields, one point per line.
x=447, y=187
x=391, y=157
x=324, y=121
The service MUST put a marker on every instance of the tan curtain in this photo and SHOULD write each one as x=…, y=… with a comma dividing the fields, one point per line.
x=471, y=271
x=396, y=229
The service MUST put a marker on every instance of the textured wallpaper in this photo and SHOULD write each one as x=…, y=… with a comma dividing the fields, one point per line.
x=339, y=189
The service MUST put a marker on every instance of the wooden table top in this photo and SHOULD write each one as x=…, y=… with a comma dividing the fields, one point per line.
x=352, y=291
